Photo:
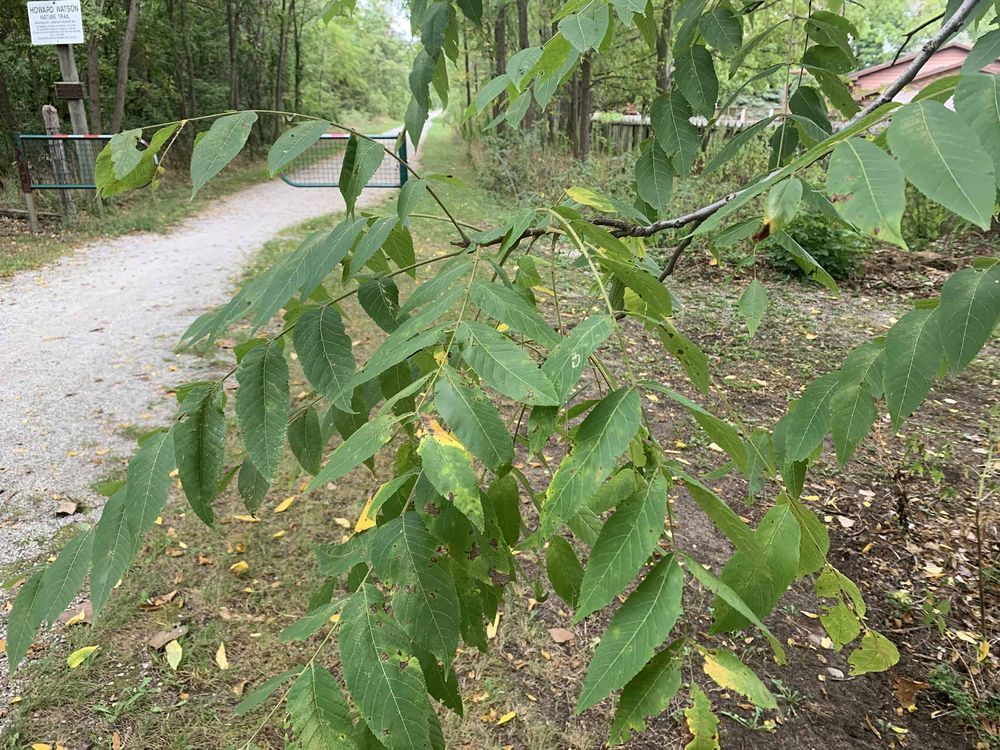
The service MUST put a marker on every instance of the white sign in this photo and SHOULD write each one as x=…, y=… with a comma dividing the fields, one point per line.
x=55, y=22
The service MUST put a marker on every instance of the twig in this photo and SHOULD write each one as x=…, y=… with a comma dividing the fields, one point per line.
x=913, y=32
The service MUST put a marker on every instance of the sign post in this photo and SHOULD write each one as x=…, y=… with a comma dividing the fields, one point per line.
x=60, y=23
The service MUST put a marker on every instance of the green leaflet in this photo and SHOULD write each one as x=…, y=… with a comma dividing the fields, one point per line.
x=651, y=291
x=977, y=102
x=778, y=537
x=262, y=404
x=782, y=204
x=324, y=350
x=808, y=421
x=200, y=447
x=729, y=673
x=586, y=30
x=875, y=654
x=293, y=143
x=968, y=313
x=702, y=723
x=379, y=298
x=718, y=430
x=124, y=154
x=372, y=241
x=734, y=144
x=64, y=577
x=730, y=597
x=356, y=449
x=752, y=305
x=425, y=602
x=224, y=140
x=814, y=536
x=640, y=625
x=318, y=711
x=503, y=365
x=722, y=29
x=564, y=570
x=149, y=482
x=810, y=267
x=26, y=616
x=448, y=466
x=600, y=439
x=626, y=541
x=695, y=72
x=913, y=352
x=507, y=306
x=504, y=498
x=852, y=413
x=115, y=546
x=567, y=360
x=384, y=679
x=692, y=359
x=263, y=692
x=334, y=560
x=648, y=693
x=670, y=116
x=474, y=420
x=251, y=485
x=306, y=439
x=841, y=624
x=654, y=177
x=361, y=159
x=941, y=156
x=871, y=188
x=310, y=623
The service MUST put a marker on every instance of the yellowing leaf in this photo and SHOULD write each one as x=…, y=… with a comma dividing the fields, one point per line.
x=729, y=672
x=441, y=435
x=285, y=504
x=365, y=522
x=41, y=746
x=174, y=654
x=506, y=717
x=80, y=616
x=240, y=567
x=702, y=722
x=220, y=657
x=79, y=656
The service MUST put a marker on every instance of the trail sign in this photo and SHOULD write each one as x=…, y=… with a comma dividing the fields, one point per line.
x=55, y=22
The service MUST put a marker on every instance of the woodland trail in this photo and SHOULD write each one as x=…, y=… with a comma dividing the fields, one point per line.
x=88, y=351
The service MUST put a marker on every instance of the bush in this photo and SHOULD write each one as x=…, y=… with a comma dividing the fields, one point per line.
x=833, y=244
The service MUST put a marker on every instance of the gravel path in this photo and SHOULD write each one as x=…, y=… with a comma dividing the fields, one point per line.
x=86, y=347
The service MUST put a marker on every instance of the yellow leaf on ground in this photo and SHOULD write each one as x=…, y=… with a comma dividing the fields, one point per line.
x=364, y=521
x=342, y=523
x=41, y=746
x=240, y=567
x=247, y=519
x=79, y=656
x=506, y=717
x=220, y=657
x=174, y=654
x=3, y=645
x=285, y=504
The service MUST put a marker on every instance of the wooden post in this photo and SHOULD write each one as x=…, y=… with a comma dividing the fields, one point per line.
x=24, y=175
x=60, y=168
x=77, y=113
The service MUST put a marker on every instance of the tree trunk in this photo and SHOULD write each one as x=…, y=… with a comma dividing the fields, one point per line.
x=279, y=73
x=499, y=51
x=233, y=30
x=523, y=43
x=94, y=118
x=297, y=24
x=6, y=111
x=468, y=80
x=663, y=64
x=121, y=83
x=583, y=110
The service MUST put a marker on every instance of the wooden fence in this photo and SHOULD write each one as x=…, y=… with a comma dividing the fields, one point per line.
x=628, y=133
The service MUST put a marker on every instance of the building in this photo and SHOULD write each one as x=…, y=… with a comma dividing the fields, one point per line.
x=947, y=61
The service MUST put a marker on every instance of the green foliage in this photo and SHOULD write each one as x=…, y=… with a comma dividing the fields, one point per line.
x=434, y=549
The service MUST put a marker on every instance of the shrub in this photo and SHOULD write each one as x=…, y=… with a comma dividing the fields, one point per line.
x=833, y=244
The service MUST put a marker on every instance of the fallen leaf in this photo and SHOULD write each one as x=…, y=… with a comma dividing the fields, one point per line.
x=506, y=717
x=174, y=654
x=164, y=637
x=158, y=601
x=116, y=740
x=491, y=628
x=561, y=635
x=82, y=615
x=906, y=691
x=220, y=657
x=240, y=567
x=247, y=519
x=342, y=522
x=41, y=746
x=204, y=559
x=79, y=656
x=3, y=645
x=285, y=504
